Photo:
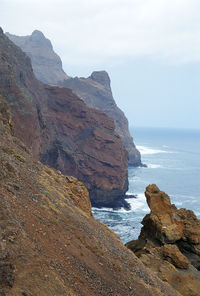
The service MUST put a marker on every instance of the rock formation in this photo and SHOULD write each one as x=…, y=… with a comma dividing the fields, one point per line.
x=169, y=243
x=50, y=244
x=62, y=131
x=94, y=90
x=47, y=65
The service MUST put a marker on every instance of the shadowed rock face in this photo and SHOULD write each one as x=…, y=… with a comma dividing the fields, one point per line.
x=62, y=131
x=47, y=65
x=94, y=90
x=50, y=244
x=169, y=243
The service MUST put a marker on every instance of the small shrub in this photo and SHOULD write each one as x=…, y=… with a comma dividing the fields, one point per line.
x=20, y=158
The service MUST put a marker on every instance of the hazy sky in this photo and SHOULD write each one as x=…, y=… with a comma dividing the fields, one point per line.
x=150, y=48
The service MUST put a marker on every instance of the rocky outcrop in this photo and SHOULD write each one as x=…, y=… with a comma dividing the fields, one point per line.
x=94, y=90
x=47, y=65
x=62, y=131
x=50, y=244
x=169, y=243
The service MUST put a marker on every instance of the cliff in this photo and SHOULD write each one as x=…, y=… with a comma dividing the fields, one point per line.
x=96, y=93
x=169, y=243
x=47, y=65
x=62, y=131
x=50, y=244
x=94, y=90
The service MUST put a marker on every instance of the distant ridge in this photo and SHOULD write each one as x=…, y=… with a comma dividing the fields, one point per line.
x=46, y=64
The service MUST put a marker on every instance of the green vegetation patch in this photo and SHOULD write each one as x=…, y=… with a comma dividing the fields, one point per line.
x=20, y=157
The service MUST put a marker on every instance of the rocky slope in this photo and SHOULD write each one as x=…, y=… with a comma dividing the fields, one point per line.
x=47, y=65
x=169, y=243
x=62, y=131
x=94, y=90
x=50, y=244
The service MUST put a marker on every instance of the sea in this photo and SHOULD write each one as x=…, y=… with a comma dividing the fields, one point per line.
x=172, y=157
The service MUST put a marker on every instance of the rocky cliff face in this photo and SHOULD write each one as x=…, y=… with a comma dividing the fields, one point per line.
x=50, y=244
x=94, y=90
x=169, y=243
x=96, y=93
x=47, y=65
x=62, y=131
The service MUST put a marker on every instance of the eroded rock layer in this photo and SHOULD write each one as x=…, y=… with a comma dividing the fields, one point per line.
x=50, y=244
x=62, y=131
x=169, y=243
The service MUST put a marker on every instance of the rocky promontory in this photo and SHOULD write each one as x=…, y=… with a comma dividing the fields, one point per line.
x=62, y=131
x=169, y=243
x=95, y=90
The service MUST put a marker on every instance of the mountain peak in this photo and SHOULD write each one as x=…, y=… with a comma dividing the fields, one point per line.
x=101, y=77
x=38, y=34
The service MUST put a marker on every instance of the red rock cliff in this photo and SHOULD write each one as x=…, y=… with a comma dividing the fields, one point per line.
x=94, y=90
x=62, y=131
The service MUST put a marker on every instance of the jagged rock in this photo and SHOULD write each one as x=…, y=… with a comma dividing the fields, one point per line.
x=94, y=90
x=61, y=130
x=50, y=244
x=169, y=243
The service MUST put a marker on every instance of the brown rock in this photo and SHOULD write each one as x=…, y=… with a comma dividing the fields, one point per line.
x=169, y=243
x=172, y=254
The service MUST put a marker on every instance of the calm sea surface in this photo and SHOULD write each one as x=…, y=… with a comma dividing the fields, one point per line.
x=173, y=160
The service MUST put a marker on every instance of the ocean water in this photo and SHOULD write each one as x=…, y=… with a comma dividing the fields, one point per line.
x=172, y=157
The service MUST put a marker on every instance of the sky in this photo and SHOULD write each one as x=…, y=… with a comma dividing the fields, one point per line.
x=150, y=48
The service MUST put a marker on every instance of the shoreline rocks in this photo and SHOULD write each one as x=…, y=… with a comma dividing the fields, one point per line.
x=169, y=243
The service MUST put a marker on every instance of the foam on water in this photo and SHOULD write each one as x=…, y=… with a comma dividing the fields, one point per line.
x=153, y=166
x=139, y=203
x=147, y=150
